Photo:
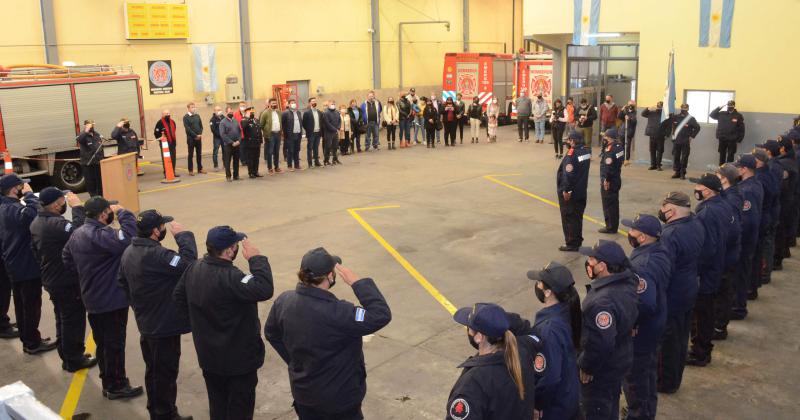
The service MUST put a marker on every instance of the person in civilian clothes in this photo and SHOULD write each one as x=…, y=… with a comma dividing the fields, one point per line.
x=292, y=130
x=611, y=159
x=270, y=121
x=148, y=273
x=752, y=219
x=91, y=147
x=524, y=107
x=558, y=123
x=320, y=337
x=628, y=128
x=652, y=265
x=656, y=130
x=391, y=117
x=474, y=112
x=357, y=122
x=450, y=120
x=572, y=179
x=231, y=133
x=432, y=119
x=345, y=131
x=405, y=117
x=312, y=124
x=253, y=138
x=585, y=116
x=540, y=109
x=213, y=123
x=239, y=115
x=461, y=111
x=684, y=129
x=50, y=232
x=221, y=303
x=728, y=175
x=437, y=104
x=93, y=254
x=331, y=122
x=608, y=116
x=730, y=130
x=165, y=130
x=194, y=138
x=371, y=112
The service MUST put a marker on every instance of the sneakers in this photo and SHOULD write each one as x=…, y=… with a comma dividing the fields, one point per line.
x=44, y=346
x=10, y=332
x=84, y=363
x=190, y=173
x=125, y=392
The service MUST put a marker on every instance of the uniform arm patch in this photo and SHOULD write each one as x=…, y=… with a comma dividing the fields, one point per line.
x=642, y=286
x=459, y=409
x=603, y=320
x=246, y=279
x=68, y=227
x=620, y=154
x=581, y=158
x=121, y=235
x=569, y=167
x=539, y=363
x=360, y=313
x=175, y=260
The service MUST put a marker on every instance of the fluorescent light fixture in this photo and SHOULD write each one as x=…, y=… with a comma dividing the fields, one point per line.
x=605, y=35
x=68, y=64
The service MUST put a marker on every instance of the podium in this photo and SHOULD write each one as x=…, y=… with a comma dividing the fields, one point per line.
x=120, y=181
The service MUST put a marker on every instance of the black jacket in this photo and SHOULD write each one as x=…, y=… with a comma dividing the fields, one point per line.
x=213, y=123
x=287, y=122
x=148, y=273
x=429, y=114
x=252, y=133
x=308, y=121
x=15, y=235
x=91, y=148
x=331, y=121
x=655, y=127
x=687, y=132
x=475, y=111
x=319, y=338
x=49, y=234
x=630, y=112
x=193, y=126
x=611, y=159
x=221, y=303
x=730, y=125
x=127, y=141
x=590, y=113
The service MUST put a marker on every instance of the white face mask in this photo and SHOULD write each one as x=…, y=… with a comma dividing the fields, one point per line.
x=332, y=107
x=241, y=108
x=293, y=106
x=494, y=101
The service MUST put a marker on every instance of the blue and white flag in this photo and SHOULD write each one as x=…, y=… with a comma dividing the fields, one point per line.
x=205, y=68
x=716, y=19
x=586, y=21
x=669, y=91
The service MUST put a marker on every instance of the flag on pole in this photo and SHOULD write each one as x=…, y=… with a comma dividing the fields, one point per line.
x=586, y=21
x=669, y=91
x=716, y=19
x=205, y=68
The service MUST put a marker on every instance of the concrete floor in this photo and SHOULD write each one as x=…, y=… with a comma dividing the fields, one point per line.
x=471, y=238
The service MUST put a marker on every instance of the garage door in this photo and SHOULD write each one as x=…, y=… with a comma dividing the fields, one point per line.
x=38, y=119
x=107, y=102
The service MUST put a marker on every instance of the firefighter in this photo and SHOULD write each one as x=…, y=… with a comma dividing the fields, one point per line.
x=684, y=129
x=611, y=160
x=730, y=130
x=753, y=194
x=571, y=183
x=655, y=129
x=783, y=234
x=253, y=138
x=91, y=146
x=127, y=140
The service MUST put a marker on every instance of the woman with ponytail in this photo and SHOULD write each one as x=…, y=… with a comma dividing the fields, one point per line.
x=558, y=324
x=491, y=386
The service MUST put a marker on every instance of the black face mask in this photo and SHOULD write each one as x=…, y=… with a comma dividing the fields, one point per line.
x=235, y=253
x=313, y=105
x=608, y=101
x=126, y=126
x=539, y=293
x=166, y=118
x=110, y=218
x=698, y=195
x=684, y=111
x=633, y=241
x=591, y=275
x=662, y=216
x=230, y=115
x=472, y=342
x=274, y=107
x=20, y=194
x=161, y=235
x=62, y=209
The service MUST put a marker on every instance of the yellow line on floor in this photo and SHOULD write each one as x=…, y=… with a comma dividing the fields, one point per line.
x=400, y=259
x=76, y=385
x=176, y=186
x=542, y=199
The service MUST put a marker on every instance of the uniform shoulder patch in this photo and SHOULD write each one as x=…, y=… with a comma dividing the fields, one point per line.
x=539, y=363
x=746, y=206
x=175, y=260
x=642, y=287
x=569, y=167
x=360, y=313
x=68, y=227
x=581, y=158
x=620, y=154
x=121, y=235
x=246, y=279
x=459, y=409
x=603, y=320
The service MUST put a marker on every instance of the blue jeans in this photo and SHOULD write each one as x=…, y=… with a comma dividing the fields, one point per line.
x=293, y=149
x=405, y=127
x=215, y=151
x=372, y=132
x=539, y=127
x=312, y=147
x=419, y=126
x=272, y=150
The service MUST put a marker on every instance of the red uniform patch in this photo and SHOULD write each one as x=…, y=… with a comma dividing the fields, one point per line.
x=746, y=206
x=603, y=320
x=459, y=409
x=539, y=363
x=642, y=286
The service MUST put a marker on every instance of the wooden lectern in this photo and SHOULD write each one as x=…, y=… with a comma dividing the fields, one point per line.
x=119, y=180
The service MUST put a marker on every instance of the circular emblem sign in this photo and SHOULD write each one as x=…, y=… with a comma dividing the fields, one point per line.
x=160, y=73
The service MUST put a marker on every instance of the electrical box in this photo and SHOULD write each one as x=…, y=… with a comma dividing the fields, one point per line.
x=233, y=89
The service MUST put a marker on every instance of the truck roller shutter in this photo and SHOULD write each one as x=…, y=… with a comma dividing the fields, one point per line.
x=106, y=103
x=27, y=131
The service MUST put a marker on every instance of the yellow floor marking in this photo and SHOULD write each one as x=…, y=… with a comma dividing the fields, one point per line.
x=542, y=199
x=76, y=385
x=403, y=262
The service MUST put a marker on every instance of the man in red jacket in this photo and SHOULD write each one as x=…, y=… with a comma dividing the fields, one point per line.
x=165, y=127
x=608, y=116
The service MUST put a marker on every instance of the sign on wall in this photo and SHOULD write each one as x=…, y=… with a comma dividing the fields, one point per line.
x=160, y=75
x=156, y=21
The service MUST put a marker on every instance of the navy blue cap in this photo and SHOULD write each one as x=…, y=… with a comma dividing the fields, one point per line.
x=49, y=195
x=772, y=146
x=486, y=318
x=222, y=237
x=575, y=135
x=786, y=143
x=606, y=251
x=557, y=277
x=151, y=219
x=96, y=205
x=708, y=180
x=611, y=133
x=645, y=223
x=746, y=161
x=319, y=262
x=10, y=181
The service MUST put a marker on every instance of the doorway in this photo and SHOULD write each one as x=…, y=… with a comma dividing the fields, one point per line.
x=597, y=71
x=302, y=92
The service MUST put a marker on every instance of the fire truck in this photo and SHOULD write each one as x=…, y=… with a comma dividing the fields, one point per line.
x=501, y=76
x=42, y=109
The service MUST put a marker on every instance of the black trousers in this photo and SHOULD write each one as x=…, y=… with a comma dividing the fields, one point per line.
x=5, y=298
x=672, y=351
x=572, y=219
x=109, y=331
x=727, y=150
x=172, y=156
x=70, y=324
x=195, y=147
x=28, y=310
x=461, y=122
x=558, y=137
x=640, y=387
x=522, y=126
x=345, y=144
x=723, y=300
x=600, y=398
x=253, y=158
x=742, y=283
x=681, y=157
x=230, y=160
x=430, y=135
x=450, y=133
x=783, y=234
x=656, y=151
x=231, y=397
x=610, y=200
x=94, y=182
x=312, y=147
x=161, y=356
x=390, y=133
x=703, y=326
x=628, y=147
x=331, y=150
x=767, y=255
x=309, y=413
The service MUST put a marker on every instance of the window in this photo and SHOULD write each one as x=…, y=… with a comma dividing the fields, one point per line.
x=702, y=102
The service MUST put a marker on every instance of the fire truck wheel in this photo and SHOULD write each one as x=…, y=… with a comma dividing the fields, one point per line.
x=68, y=176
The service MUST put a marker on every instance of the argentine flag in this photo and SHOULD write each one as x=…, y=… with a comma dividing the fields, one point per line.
x=205, y=68
x=716, y=19
x=669, y=91
x=586, y=20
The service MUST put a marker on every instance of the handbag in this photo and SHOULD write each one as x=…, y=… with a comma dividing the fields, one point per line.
x=439, y=125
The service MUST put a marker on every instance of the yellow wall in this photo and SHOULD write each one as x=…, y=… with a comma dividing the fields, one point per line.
x=21, y=37
x=555, y=17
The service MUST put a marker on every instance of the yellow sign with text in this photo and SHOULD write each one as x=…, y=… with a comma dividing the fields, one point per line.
x=156, y=21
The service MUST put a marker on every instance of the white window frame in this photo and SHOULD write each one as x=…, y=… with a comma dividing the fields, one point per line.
x=699, y=115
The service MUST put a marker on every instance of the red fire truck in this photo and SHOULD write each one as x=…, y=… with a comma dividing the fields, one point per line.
x=42, y=109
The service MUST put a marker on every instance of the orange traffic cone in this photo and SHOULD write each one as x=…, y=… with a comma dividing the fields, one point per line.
x=169, y=177
x=9, y=167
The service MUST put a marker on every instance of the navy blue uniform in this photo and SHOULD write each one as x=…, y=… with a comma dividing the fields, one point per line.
x=609, y=315
x=769, y=176
x=611, y=160
x=557, y=387
x=752, y=220
x=573, y=177
x=723, y=301
x=683, y=239
x=652, y=265
x=783, y=232
x=684, y=129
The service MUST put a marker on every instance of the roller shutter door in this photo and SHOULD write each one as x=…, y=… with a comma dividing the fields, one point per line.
x=38, y=119
x=107, y=102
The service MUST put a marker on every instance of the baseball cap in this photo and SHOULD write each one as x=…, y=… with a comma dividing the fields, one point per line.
x=786, y=143
x=611, y=133
x=11, y=180
x=709, y=181
x=761, y=155
x=222, y=237
x=730, y=172
x=319, y=262
x=606, y=251
x=731, y=103
x=151, y=219
x=557, y=277
x=677, y=198
x=575, y=135
x=772, y=146
x=645, y=223
x=95, y=205
x=746, y=161
x=486, y=318
x=49, y=195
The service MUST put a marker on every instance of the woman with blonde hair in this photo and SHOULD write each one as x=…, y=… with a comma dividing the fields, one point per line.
x=391, y=117
x=345, y=130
